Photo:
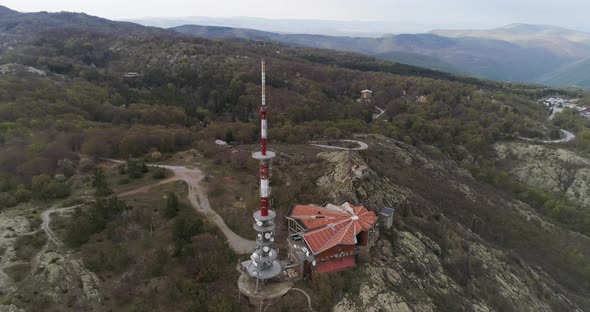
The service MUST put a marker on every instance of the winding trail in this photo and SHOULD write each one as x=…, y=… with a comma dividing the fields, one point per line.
x=200, y=202
x=568, y=137
x=306, y=295
x=362, y=145
x=46, y=216
x=381, y=112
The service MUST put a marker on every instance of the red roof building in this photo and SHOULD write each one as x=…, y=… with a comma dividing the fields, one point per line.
x=326, y=239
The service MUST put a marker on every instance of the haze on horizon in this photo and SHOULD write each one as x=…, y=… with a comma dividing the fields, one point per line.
x=415, y=15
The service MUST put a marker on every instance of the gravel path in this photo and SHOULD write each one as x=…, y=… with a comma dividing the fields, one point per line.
x=46, y=216
x=362, y=145
x=200, y=202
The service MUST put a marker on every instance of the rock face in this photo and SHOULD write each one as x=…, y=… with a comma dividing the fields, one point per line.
x=342, y=184
x=410, y=270
x=59, y=274
x=554, y=170
x=12, y=225
x=412, y=277
x=10, y=308
x=55, y=273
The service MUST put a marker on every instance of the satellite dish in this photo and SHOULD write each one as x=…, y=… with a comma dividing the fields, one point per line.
x=272, y=239
x=259, y=223
x=267, y=235
x=265, y=248
x=313, y=263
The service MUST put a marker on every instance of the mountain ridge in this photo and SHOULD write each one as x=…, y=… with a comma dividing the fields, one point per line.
x=487, y=58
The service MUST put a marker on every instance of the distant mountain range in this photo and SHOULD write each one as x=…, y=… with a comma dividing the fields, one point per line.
x=294, y=26
x=517, y=52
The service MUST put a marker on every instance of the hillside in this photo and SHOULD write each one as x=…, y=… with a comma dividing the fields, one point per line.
x=490, y=57
x=82, y=232
x=571, y=75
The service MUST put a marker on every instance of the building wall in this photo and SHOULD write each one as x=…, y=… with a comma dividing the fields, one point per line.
x=335, y=251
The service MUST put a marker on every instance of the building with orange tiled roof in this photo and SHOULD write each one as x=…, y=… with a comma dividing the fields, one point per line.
x=327, y=238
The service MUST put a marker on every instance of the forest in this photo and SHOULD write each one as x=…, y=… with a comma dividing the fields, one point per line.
x=78, y=101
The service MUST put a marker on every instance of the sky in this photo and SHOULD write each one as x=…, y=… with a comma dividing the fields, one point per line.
x=450, y=13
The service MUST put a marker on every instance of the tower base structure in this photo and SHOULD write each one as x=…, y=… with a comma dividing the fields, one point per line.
x=263, y=296
x=271, y=290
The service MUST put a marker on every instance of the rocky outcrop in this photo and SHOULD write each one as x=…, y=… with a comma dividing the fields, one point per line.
x=413, y=277
x=551, y=169
x=12, y=225
x=58, y=273
x=55, y=273
x=10, y=308
x=411, y=270
x=342, y=184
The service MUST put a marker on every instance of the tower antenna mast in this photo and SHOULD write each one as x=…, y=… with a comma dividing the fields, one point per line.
x=264, y=264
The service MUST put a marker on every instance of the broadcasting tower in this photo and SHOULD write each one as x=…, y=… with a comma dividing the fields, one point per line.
x=264, y=265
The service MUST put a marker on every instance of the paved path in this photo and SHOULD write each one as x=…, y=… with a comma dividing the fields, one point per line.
x=307, y=296
x=200, y=202
x=568, y=137
x=362, y=145
x=381, y=112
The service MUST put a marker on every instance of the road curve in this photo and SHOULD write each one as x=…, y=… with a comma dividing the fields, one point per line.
x=362, y=145
x=200, y=202
x=381, y=112
x=46, y=217
x=568, y=137
x=306, y=295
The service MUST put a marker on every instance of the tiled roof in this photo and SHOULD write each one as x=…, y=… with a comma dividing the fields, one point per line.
x=332, y=225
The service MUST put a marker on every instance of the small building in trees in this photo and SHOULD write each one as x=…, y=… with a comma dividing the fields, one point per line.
x=366, y=95
x=327, y=239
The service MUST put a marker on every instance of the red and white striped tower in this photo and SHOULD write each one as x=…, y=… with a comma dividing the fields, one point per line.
x=264, y=265
x=264, y=187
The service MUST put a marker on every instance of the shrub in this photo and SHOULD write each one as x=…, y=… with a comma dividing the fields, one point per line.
x=7, y=200
x=171, y=209
x=159, y=174
x=100, y=184
x=136, y=168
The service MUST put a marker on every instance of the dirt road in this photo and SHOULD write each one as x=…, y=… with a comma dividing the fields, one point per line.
x=200, y=202
x=568, y=137
x=361, y=145
x=46, y=217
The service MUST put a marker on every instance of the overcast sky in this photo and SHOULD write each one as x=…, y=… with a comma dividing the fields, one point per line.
x=459, y=13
